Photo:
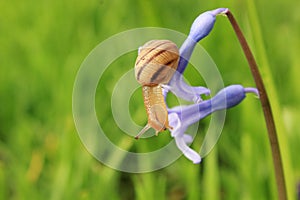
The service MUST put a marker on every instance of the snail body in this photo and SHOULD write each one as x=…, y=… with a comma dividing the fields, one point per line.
x=155, y=65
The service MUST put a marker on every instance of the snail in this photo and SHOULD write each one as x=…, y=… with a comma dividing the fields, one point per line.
x=155, y=65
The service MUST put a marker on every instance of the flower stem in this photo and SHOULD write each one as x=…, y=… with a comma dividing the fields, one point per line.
x=281, y=187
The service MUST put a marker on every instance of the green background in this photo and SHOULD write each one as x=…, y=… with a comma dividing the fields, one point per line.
x=42, y=45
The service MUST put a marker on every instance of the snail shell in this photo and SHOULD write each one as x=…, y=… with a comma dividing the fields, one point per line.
x=155, y=65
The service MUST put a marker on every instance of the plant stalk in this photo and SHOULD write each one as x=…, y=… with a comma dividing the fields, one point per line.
x=277, y=161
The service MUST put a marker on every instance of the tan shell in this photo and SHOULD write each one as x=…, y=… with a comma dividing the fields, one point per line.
x=157, y=62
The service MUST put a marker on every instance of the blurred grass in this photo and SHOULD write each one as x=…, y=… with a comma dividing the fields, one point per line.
x=42, y=44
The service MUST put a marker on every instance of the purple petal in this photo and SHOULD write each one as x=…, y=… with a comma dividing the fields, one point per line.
x=175, y=122
x=219, y=11
x=188, y=139
x=225, y=98
x=200, y=28
x=187, y=151
x=185, y=52
x=182, y=139
x=181, y=117
x=182, y=90
x=204, y=23
x=252, y=90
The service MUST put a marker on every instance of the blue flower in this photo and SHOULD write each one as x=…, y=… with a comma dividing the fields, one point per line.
x=181, y=117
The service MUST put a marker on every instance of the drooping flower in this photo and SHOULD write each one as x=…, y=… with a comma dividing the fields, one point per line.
x=181, y=117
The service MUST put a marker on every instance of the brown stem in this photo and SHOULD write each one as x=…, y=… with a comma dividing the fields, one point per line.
x=282, y=194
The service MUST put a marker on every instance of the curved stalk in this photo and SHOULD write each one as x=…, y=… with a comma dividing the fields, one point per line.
x=277, y=161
